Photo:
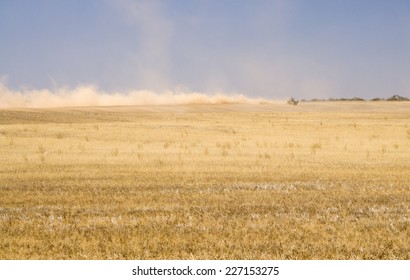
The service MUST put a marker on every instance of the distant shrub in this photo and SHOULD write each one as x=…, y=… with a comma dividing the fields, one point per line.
x=398, y=98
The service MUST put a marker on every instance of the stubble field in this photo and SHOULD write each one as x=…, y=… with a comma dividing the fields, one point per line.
x=318, y=180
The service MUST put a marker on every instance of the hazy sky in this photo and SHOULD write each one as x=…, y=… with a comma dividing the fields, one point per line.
x=260, y=48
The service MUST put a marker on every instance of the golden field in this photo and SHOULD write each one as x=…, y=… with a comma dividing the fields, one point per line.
x=320, y=180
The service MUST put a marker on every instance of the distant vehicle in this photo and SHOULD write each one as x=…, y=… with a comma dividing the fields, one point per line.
x=293, y=101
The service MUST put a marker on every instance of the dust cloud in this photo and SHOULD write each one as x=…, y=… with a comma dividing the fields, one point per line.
x=92, y=96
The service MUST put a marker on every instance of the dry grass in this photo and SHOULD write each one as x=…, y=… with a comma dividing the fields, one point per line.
x=313, y=181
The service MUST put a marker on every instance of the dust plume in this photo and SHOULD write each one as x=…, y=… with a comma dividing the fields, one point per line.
x=91, y=96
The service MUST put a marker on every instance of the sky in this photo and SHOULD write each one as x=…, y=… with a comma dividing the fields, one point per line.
x=271, y=49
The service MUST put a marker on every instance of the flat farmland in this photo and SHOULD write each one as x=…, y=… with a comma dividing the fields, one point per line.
x=320, y=180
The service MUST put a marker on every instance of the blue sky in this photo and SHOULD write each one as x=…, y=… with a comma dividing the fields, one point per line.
x=260, y=48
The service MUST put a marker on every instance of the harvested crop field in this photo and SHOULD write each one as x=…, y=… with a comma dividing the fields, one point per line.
x=320, y=180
